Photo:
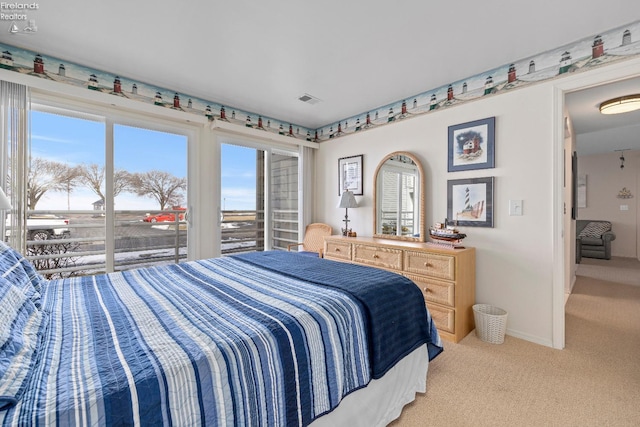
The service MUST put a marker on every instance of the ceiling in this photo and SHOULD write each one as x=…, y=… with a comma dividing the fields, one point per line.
x=601, y=133
x=352, y=55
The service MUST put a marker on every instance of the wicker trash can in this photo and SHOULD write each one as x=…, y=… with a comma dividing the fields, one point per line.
x=491, y=323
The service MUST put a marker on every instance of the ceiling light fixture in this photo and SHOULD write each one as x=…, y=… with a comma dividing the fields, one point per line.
x=622, y=159
x=622, y=104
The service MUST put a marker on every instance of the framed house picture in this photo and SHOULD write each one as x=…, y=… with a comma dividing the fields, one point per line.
x=472, y=145
x=470, y=201
x=350, y=175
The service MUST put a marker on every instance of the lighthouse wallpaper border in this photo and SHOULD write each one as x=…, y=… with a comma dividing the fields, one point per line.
x=470, y=201
x=472, y=145
x=582, y=55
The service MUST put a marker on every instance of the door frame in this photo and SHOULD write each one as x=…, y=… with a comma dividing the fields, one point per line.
x=617, y=71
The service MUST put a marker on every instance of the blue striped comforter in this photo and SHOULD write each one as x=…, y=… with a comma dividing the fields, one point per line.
x=223, y=341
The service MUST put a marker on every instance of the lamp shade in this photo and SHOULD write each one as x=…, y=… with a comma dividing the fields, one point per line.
x=623, y=104
x=4, y=200
x=348, y=200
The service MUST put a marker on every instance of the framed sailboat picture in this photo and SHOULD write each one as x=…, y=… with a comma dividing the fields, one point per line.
x=470, y=201
x=472, y=145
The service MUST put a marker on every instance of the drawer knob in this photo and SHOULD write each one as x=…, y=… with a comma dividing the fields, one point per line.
x=337, y=249
x=376, y=256
x=426, y=264
x=426, y=290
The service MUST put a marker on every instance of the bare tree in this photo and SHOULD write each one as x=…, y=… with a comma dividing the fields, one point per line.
x=69, y=180
x=160, y=185
x=93, y=176
x=48, y=175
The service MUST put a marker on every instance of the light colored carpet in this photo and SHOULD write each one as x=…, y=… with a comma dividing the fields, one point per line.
x=594, y=381
x=617, y=269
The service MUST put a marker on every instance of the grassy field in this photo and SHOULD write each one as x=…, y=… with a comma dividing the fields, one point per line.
x=238, y=218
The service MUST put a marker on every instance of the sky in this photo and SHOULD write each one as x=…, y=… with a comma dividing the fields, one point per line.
x=77, y=141
x=238, y=178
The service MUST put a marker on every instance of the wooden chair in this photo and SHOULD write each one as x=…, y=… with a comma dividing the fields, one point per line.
x=313, y=243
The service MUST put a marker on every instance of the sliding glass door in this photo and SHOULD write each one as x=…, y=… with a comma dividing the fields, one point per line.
x=103, y=196
x=149, y=195
x=259, y=199
x=285, y=210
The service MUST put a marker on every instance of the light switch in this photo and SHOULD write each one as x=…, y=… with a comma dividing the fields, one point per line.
x=624, y=207
x=515, y=207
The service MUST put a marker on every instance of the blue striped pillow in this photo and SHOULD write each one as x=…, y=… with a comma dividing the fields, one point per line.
x=21, y=331
x=16, y=269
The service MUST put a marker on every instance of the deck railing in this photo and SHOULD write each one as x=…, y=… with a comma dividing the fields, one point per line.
x=139, y=241
x=242, y=231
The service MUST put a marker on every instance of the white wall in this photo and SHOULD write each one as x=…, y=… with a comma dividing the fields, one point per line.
x=521, y=262
x=514, y=259
x=604, y=180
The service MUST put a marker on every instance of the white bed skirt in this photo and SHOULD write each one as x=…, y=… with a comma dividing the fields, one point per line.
x=382, y=400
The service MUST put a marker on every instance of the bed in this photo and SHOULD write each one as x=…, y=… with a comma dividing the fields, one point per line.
x=266, y=338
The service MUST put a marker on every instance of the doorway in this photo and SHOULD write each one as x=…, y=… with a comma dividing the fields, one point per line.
x=591, y=136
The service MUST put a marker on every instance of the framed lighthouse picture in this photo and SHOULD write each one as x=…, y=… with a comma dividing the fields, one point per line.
x=470, y=201
x=472, y=145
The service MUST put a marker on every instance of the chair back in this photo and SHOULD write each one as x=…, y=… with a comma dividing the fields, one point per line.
x=314, y=236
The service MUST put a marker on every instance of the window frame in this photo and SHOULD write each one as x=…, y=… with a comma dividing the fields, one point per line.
x=112, y=116
x=203, y=157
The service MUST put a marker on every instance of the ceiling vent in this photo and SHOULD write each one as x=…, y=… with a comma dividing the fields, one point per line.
x=309, y=99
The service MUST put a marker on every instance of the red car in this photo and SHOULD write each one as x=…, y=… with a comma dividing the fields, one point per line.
x=164, y=217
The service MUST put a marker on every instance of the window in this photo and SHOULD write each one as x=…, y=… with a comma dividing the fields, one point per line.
x=103, y=196
x=117, y=191
x=259, y=187
x=150, y=175
x=242, y=192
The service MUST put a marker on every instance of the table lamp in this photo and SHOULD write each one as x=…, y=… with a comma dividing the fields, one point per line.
x=347, y=200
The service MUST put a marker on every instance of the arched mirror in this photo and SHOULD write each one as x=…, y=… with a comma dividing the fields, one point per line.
x=399, y=198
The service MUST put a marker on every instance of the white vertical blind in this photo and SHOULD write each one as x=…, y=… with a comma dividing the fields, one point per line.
x=306, y=183
x=14, y=128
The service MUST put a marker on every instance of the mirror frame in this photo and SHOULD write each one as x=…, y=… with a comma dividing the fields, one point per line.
x=422, y=229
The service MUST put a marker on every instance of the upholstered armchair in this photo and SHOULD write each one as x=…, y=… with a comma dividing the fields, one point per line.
x=593, y=239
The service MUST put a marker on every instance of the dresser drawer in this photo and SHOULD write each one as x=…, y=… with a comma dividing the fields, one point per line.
x=435, y=290
x=441, y=266
x=378, y=256
x=443, y=317
x=340, y=250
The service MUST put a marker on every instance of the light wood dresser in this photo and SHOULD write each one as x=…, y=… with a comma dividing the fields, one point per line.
x=447, y=277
